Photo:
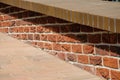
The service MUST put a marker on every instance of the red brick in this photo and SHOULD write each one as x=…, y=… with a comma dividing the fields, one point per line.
x=18, y=36
x=56, y=46
x=115, y=75
x=32, y=29
x=48, y=46
x=30, y=36
x=42, y=29
x=8, y=17
x=90, y=69
x=6, y=24
x=77, y=48
x=52, y=28
x=52, y=37
x=102, y=49
x=43, y=37
x=66, y=47
x=95, y=60
x=20, y=29
x=4, y=30
x=40, y=44
x=24, y=36
x=83, y=59
x=26, y=29
x=34, y=43
x=103, y=72
x=94, y=38
x=88, y=49
x=36, y=36
x=110, y=62
x=66, y=38
x=71, y=57
x=61, y=56
x=1, y=18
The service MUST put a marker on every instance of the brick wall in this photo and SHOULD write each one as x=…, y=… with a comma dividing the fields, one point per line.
x=94, y=50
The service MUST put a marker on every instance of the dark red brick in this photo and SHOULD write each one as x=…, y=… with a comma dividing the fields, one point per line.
x=94, y=38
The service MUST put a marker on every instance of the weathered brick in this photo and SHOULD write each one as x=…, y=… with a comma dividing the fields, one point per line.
x=56, y=46
x=88, y=49
x=77, y=48
x=71, y=57
x=110, y=62
x=83, y=59
x=61, y=56
x=103, y=72
x=102, y=49
x=36, y=36
x=66, y=47
x=95, y=60
x=94, y=38
x=40, y=44
x=115, y=51
x=115, y=75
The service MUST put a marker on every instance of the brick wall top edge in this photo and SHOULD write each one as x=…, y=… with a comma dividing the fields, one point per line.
x=96, y=13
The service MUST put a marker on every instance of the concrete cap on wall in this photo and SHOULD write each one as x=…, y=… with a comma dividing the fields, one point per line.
x=95, y=13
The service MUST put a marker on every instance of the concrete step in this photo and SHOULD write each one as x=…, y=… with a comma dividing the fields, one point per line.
x=20, y=61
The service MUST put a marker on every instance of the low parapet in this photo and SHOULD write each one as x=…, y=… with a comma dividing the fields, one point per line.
x=95, y=13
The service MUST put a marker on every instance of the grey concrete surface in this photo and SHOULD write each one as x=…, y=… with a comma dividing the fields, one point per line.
x=20, y=61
